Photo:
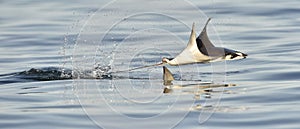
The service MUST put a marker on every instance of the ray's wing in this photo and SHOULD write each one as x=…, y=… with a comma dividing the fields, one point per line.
x=191, y=53
x=192, y=40
x=203, y=40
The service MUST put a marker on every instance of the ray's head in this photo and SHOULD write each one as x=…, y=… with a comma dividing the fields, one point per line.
x=234, y=55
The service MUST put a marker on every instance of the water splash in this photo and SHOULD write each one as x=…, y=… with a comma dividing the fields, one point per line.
x=53, y=73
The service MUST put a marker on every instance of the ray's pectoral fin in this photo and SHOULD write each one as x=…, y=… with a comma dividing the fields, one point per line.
x=192, y=40
x=205, y=46
x=202, y=40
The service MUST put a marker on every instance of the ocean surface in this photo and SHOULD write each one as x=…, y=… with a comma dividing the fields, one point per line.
x=60, y=64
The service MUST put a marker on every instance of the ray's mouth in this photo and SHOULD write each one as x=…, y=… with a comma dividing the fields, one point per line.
x=243, y=54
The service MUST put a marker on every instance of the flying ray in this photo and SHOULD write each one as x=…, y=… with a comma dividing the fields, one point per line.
x=198, y=50
x=201, y=50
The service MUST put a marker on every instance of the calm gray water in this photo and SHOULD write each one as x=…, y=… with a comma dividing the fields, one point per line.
x=40, y=47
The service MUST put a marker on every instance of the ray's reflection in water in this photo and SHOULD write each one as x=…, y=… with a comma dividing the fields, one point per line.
x=199, y=90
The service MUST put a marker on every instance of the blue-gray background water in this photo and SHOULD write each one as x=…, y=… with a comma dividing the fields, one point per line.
x=38, y=44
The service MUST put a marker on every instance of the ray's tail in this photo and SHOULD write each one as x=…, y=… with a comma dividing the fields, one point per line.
x=136, y=68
